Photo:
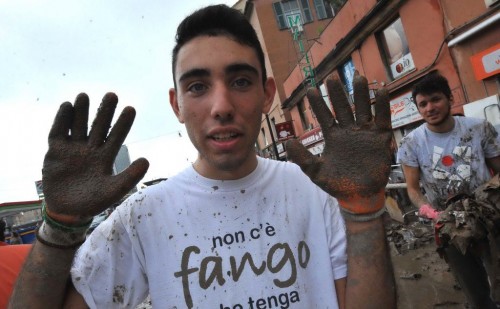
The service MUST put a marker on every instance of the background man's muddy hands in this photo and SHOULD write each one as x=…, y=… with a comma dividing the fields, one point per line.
x=356, y=160
x=77, y=170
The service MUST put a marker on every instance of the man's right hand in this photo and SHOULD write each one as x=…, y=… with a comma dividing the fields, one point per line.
x=427, y=211
x=77, y=170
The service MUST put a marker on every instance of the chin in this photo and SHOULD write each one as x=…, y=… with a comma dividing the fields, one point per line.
x=227, y=162
x=437, y=122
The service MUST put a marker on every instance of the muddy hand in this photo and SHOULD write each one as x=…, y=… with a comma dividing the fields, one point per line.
x=77, y=170
x=355, y=163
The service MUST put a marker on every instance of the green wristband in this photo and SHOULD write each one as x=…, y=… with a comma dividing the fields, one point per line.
x=62, y=227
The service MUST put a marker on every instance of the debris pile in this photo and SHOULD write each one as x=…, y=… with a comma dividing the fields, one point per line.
x=473, y=223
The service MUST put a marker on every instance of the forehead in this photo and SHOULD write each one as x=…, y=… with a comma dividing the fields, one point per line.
x=214, y=53
x=427, y=96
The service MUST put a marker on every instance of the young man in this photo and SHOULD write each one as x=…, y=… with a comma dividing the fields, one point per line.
x=233, y=230
x=449, y=155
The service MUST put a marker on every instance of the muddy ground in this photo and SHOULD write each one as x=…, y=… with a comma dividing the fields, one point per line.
x=424, y=280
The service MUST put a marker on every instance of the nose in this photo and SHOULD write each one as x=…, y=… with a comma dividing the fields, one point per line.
x=222, y=106
x=428, y=107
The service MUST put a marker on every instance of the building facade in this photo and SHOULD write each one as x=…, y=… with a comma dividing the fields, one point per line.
x=393, y=43
x=275, y=22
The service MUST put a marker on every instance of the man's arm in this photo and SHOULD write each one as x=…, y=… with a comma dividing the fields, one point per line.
x=370, y=283
x=355, y=168
x=78, y=184
x=425, y=209
x=49, y=267
x=412, y=177
x=340, y=287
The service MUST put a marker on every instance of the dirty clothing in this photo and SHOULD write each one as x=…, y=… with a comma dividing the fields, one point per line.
x=451, y=163
x=272, y=239
x=471, y=224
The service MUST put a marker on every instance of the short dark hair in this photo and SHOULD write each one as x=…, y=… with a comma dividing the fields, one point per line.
x=431, y=83
x=218, y=20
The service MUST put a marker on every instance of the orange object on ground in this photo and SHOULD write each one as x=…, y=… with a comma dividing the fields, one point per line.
x=11, y=259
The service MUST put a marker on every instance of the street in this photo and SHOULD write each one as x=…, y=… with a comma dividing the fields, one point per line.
x=423, y=279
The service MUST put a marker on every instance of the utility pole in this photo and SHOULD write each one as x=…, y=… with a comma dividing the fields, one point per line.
x=275, y=148
x=305, y=59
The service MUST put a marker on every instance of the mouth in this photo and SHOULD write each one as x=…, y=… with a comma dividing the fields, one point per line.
x=221, y=137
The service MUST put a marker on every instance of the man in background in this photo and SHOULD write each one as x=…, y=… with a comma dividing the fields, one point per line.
x=448, y=155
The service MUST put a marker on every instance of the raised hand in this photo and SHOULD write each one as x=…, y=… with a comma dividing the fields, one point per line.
x=77, y=170
x=355, y=163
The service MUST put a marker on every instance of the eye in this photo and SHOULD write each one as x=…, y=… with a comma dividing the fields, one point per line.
x=196, y=88
x=242, y=83
x=435, y=99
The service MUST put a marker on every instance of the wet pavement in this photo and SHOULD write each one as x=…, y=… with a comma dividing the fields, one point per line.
x=423, y=279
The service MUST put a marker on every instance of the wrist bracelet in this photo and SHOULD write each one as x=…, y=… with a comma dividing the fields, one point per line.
x=62, y=227
x=361, y=218
x=47, y=235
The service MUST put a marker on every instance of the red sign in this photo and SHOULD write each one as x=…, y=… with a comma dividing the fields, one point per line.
x=487, y=62
x=311, y=137
x=285, y=130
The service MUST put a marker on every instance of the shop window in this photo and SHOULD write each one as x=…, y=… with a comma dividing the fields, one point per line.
x=395, y=50
x=346, y=72
x=292, y=11
x=323, y=9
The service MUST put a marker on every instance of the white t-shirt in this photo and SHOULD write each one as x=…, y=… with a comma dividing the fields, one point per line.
x=272, y=239
x=453, y=162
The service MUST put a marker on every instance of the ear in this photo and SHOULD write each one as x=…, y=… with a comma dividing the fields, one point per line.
x=269, y=92
x=174, y=103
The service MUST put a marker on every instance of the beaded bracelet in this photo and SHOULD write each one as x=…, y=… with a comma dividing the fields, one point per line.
x=62, y=227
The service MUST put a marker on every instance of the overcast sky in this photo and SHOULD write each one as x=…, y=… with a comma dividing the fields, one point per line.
x=51, y=50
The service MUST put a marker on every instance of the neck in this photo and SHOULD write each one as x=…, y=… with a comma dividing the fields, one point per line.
x=216, y=171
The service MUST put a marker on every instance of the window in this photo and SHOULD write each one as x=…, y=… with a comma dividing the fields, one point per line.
x=324, y=94
x=347, y=75
x=396, y=51
x=290, y=11
x=323, y=9
x=336, y=5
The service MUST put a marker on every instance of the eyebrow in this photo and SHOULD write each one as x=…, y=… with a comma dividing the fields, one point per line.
x=232, y=68
x=237, y=67
x=194, y=73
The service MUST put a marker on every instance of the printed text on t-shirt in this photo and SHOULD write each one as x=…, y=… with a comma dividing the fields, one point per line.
x=280, y=256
